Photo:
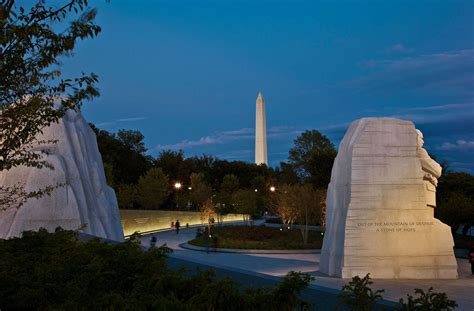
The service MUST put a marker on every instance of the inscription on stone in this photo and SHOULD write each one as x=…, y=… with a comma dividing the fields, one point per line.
x=396, y=226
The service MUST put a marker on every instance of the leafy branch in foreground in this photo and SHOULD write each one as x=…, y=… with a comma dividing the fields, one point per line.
x=33, y=93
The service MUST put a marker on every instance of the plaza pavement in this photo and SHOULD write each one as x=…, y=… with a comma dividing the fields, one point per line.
x=461, y=289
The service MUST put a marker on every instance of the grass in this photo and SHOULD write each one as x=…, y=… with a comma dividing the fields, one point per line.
x=260, y=237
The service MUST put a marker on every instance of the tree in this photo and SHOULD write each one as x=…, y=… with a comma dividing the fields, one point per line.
x=124, y=153
x=230, y=184
x=308, y=203
x=286, y=174
x=32, y=40
x=455, y=200
x=283, y=205
x=153, y=189
x=127, y=196
x=173, y=164
x=207, y=210
x=312, y=158
x=200, y=189
x=245, y=203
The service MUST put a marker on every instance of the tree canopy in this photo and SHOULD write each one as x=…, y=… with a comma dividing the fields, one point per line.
x=312, y=157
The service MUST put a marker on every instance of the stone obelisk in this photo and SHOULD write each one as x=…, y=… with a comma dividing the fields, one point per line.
x=260, y=132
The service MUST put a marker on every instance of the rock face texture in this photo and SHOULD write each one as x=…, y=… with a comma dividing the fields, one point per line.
x=380, y=205
x=84, y=198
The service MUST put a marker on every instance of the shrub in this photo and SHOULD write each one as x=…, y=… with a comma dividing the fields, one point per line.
x=358, y=295
x=428, y=301
x=57, y=271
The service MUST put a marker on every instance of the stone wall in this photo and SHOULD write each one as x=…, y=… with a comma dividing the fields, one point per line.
x=153, y=220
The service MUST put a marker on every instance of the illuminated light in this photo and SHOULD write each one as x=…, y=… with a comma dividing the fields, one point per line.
x=288, y=227
x=281, y=229
x=189, y=188
x=256, y=190
x=178, y=185
x=272, y=189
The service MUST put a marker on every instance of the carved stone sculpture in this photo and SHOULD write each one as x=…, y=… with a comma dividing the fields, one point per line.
x=380, y=204
x=84, y=199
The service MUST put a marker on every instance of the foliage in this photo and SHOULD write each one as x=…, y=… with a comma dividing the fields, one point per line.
x=455, y=204
x=127, y=196
x=282, y=204
x=428, y=301
x=201, y=191
x=286, y=293
x=286, y=174
x=208, y=211
x=44, y=271
x=32, y=42
x=358, y=295
x=245, y=203
x=153, y=189
x=173, y=165
x=312, y=157
x=230, y=184
x=309, y=204
x=224, y=199
x=261, y=237
x=124, y=154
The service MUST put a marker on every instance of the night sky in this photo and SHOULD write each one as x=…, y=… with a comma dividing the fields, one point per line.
x=187, y=73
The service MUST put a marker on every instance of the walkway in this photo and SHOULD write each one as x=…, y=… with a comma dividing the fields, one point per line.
x=460, y=290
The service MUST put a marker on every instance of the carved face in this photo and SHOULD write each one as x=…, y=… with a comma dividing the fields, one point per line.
x=419, y=135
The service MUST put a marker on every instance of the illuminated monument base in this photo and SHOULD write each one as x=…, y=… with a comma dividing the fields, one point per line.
x=380, y=205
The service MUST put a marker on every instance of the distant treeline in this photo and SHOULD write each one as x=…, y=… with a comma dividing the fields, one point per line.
x=145, y=182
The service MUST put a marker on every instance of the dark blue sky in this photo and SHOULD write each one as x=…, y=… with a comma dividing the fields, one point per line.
x=187, y=73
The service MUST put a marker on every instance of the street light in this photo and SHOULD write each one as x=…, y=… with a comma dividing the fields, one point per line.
x=177, y=185
x=272, y=189
x=190, y=188
x=256, y=190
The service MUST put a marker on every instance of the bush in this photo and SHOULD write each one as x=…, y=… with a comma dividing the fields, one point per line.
x=428, y=301
x=261, y=237
x=57, y=271
x=358, y=295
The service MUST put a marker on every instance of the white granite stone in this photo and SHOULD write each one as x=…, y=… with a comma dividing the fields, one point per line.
x=380, y=207
x=84, y=198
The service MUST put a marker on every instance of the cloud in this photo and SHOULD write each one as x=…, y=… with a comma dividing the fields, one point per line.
x=225, y=137
x=447, y=72
x=123, y=120
x=186, y=144
x=398, y=48
x=462, y=145
x=443, y=107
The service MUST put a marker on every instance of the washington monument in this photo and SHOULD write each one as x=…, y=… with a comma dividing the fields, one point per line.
x=260, y=132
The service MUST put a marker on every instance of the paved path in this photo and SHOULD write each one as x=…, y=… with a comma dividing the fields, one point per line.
x=461, y=290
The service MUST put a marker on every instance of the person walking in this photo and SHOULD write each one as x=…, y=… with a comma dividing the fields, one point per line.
x=177, y=225
x=471, y=259
x=153, y=242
